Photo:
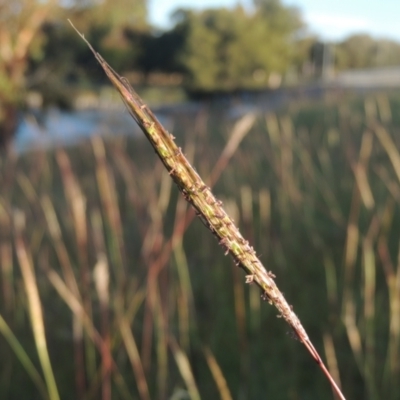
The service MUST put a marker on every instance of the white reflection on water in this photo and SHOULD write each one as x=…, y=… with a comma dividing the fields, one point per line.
x=53, y=128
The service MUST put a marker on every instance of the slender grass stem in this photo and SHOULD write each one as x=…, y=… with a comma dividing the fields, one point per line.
x=208, y=208
x=35, y=308
x=23, y=357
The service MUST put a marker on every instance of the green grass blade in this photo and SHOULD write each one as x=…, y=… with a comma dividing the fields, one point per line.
x=23, y=357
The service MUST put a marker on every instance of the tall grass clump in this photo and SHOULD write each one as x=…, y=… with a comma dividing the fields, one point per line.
x=138, y=301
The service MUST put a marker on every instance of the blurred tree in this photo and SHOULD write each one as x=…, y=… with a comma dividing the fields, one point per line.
x=303, y=59
x=157, y=52
x=285, y=20
x=20, y=23
x=104, y=23
x=119, y=14
x=362, y=51
x=34, y=34
x=387, y=52
x=231, y=49
x=115, y=18
x=62, y=61
x=355, y=52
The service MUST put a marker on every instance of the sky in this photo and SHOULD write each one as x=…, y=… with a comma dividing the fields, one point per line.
x=329, y=19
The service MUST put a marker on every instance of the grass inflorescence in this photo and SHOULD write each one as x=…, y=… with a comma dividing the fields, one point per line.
x=208, y=208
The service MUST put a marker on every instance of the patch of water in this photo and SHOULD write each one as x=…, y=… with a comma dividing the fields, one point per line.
x=53, y=128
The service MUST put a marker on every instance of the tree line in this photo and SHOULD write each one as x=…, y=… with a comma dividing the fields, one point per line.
x=212, y=50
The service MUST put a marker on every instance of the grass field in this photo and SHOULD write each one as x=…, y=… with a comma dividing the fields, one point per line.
x=109, y=290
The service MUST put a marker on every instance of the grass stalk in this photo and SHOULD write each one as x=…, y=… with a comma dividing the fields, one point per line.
x=35, y=308
x=101, y=280
x=217, y=374
x=8, y=295
x=185, y=300
x=331, y=357
x=133, y=353
x=160, y=322
x=390, y=147
x=209, y=209
x=77, y=207
x=108, y=196
x=23, y=357
x=78, y=310
x=369, y=316
x=185, y=369
x=59, y=244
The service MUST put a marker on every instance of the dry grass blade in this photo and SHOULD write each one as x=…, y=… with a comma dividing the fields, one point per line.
x=185, y=369
x=208, y=208
x=108, y=196
x=390, y=148
x=217, y=374
x=76, y=203
x=331, y=356
x=240, y=130
x=134, y=356
x=101, y=279
x=6, y=266
x=74, y=304
x=78, y=310
x=59, y=244
x=185, y=296
x=77, y=207
x=361, y=170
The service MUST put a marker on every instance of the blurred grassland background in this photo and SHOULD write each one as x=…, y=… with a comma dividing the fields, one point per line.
x=315, y=189
x=110, y=290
